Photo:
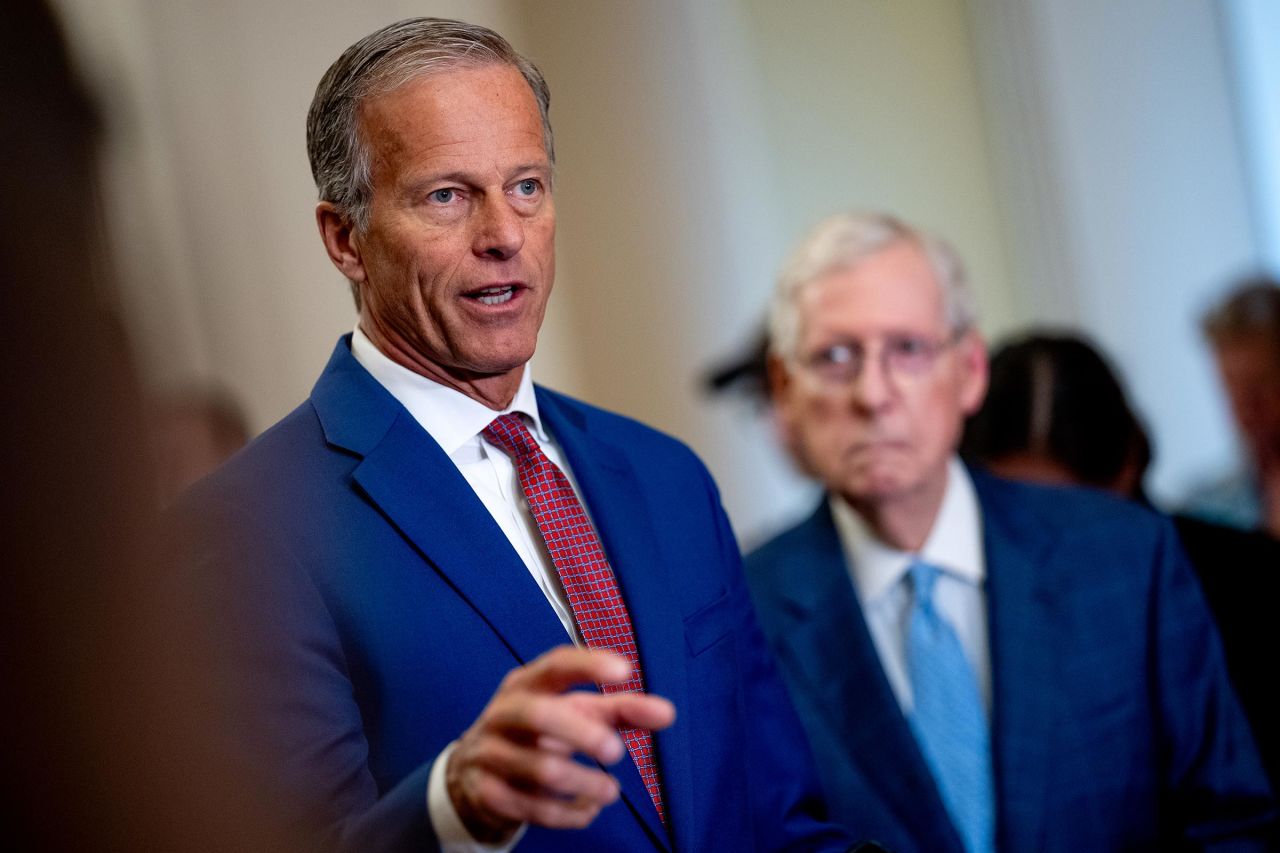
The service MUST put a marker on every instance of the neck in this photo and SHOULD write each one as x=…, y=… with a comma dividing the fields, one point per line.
x=494, y=390
x=904, y=521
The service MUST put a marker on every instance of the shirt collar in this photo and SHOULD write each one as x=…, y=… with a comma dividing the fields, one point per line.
x=954, y=543
x=451, y=418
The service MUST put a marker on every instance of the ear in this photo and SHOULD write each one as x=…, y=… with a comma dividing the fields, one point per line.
x=340, y=241
x=779, y=385
x=972, y=350
x=778, y=380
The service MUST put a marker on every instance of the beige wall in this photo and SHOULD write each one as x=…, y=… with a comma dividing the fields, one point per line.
x=875, y=105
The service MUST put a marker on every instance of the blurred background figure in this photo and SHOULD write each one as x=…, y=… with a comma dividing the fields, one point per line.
x=194, y=430
x=747, y=373
x=110, y=744
x=1244, y=333
x=1057, y=413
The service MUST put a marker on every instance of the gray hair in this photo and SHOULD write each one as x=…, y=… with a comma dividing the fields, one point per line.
x=379, y=63
x=1251, y=309
x=841, y=242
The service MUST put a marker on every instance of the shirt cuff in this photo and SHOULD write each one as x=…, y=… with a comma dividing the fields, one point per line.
x=450, y=832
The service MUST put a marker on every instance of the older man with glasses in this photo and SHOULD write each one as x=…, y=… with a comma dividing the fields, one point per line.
x=979, y=665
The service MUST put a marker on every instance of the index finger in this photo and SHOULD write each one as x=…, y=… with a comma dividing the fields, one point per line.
x=565, y=666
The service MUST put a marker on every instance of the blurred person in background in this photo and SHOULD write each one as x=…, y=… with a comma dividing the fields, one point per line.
x=1244, y=333
x=980, y=664
x=194, y=430
x=409, y=577
x=109, y=744
x=1057, y=413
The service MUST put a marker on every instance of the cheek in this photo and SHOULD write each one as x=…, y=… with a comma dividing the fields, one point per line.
x=540, y=248
x=826, y=430
x=819, y=414
x=816, y=441
x=939, y=419
x=801, y=418
x=544, y=230
x=387, y=265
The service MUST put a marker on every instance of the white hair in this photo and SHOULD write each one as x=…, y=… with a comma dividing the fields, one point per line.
x=842, y=241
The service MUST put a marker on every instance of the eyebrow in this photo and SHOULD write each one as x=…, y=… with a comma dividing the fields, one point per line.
x=417, y=185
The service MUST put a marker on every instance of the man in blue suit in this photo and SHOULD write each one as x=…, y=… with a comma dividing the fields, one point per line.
x=979, y=665
x=414, y=567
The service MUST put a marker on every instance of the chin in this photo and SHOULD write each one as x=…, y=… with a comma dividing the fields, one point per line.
x=496, y=363
x=878, y=492
x=877, y=484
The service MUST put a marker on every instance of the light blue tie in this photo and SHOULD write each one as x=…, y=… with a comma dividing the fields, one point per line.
x=949, y=719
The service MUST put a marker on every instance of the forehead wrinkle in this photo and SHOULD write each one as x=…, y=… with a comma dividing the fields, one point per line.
x=395, y=141
x=827, y=311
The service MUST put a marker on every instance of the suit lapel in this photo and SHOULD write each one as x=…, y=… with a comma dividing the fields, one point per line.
x=611, y=491
x=1025, y=686
x=830, y=645
x=420, y=491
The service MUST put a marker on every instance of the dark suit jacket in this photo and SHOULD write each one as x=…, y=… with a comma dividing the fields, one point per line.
x=1239, y=571
x=374, y=606
x=1114, y=727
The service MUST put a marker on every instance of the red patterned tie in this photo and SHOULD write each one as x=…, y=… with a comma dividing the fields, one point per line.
x=584, y=572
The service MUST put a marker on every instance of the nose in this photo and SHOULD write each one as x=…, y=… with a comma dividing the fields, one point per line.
x=499, y=230
x=872, y=388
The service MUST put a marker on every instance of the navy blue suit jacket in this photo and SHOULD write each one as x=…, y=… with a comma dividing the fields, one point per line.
x=372, y=606
x=1114, y=727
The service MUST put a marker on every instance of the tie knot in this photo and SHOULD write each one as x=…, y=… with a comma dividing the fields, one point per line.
x=923, y=577
x=508, y=433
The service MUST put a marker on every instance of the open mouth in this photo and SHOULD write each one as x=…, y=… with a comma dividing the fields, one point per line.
x=496, y=295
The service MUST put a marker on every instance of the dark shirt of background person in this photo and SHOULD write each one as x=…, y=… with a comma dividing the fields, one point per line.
x=1056, y=412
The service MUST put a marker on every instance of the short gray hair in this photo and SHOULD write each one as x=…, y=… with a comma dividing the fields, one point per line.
x=379, y=63
x=841, y=242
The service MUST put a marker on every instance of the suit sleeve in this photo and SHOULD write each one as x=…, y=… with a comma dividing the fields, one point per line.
x=786, y=801
x=1217, y=795
x=277, y=670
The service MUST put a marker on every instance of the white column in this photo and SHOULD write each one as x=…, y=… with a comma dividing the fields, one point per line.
x=1114, y=129
x=1253, y=37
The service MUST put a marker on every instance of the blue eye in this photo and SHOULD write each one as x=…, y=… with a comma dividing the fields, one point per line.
x=441, y=196
x=528, y=186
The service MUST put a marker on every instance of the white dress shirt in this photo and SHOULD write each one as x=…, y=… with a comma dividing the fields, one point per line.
x=879, y=574
x=456, y=421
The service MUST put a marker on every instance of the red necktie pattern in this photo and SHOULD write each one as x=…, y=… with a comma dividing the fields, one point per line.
x=588, y=581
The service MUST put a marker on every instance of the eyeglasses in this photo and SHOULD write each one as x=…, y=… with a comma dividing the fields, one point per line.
x=900, y=356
